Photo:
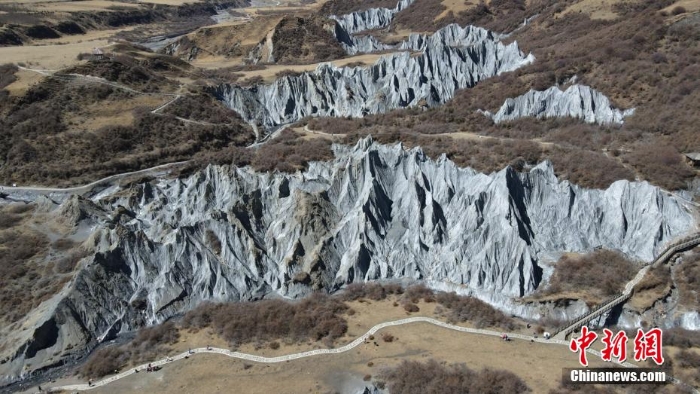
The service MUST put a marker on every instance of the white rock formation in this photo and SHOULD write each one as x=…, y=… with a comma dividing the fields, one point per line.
x=577, y=101
x=370, y=19
x=690, y=320
x=374, y=212
x=454, y=58
x=263, y=51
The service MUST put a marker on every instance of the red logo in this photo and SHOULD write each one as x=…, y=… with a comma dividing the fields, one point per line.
x=646, y=345
x=614, y=346
x=581, y=344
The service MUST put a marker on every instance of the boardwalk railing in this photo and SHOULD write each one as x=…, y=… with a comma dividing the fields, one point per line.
x=606, y=306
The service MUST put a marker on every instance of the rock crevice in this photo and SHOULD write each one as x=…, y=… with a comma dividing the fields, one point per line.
x=374, y=212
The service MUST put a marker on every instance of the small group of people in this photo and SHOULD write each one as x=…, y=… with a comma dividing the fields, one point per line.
x=505, y=337
x=152, y=368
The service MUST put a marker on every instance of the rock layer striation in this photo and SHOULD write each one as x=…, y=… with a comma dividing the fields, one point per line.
x=453, y=58
x=577, y=101
x=374, y=212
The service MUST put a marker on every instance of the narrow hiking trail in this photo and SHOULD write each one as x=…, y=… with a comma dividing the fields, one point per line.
x=318, y=352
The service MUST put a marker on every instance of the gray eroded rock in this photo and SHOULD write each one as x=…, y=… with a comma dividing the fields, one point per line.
x=374, y=212
x=394, y=81
x=370, y=19
x=577, y=101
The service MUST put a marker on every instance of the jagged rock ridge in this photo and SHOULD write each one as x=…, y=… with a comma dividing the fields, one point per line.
x=375, y=212
x=370, y=19
x=577, y=101
x=395, y=81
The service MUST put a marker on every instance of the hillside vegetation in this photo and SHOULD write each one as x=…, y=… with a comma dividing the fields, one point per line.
x=318, y=318
x=645, y=58
x=89, y=129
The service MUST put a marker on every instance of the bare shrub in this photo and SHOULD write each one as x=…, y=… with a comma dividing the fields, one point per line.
x=63, y=244
x=432, y=378
x=316, y=317
x=688, y=359
x=7, y=74
x=417, y=292
x=410, y=307
x=274, y=345
x=213, y=242
x=678, y=10
x=602, y=273
x=105, y=361
x=662, y=164
x=682, y=338
x=339, y=7
x=372, y=290
x=481, y=314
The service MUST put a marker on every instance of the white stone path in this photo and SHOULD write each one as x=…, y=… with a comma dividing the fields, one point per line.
x=317, y=352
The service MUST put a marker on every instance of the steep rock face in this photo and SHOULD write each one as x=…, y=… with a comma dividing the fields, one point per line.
x=451, y=35
x=375, y=212
x=453, y=59
x=370, y=19
x=263, y=51
x=577, y=101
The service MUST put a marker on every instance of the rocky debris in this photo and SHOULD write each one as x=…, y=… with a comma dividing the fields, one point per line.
x=374, y=212
x=577, y=101
x=451, y=59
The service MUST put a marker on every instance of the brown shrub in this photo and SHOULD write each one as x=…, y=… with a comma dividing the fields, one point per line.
x=656, y=277
x=213, y=241
x=432, y=378
x=104, y=362
x=661, y=164
x=69, y=262
x=415, y=293
x=387, y=337
x=410, y=307
x=602, y=273
x=481, y=314
x=163, y=334
x=316, y=317
x=25, y=280
x=682, y=338
x=7, y=75
x=340, y=7
x=367, y=378
x=688, y=359
x=63, y=244
x=274, y=345
x=678, y=10
x=372, y=290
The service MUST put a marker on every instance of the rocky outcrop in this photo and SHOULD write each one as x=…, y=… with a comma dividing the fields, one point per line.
x=263, y=51
x=452, y=59
x=370, y=19
x=577, y=101
x=374, y=212
x=451, y=35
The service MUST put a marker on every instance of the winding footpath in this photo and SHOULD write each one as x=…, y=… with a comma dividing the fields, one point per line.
x=318, y=352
